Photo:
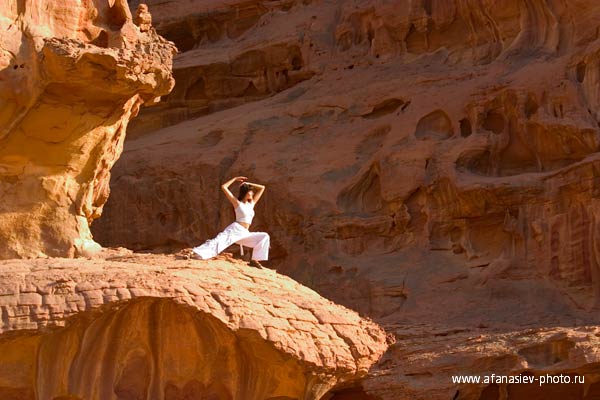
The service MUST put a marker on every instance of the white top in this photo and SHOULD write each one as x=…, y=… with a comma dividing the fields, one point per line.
x=244, y=212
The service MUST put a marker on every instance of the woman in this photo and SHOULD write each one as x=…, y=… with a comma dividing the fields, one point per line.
x=237, y=232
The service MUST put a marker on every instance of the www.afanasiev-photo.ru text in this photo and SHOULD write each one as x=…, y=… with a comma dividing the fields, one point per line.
x=508, y=379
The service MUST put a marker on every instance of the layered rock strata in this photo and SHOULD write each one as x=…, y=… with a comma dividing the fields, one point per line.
x=72, y=75
x=438, y=172
x=145, y=327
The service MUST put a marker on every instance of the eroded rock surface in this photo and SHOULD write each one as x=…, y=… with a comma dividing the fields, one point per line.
x=143, y=326
x=221, y=66
x=72, y=75
x=438, y=172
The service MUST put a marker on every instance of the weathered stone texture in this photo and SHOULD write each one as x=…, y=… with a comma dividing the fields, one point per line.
x=431, y=164
x=152, y=327
x=72, y=75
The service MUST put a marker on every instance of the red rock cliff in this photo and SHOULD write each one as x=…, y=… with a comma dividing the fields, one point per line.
x=124, y=327
x=432, y=164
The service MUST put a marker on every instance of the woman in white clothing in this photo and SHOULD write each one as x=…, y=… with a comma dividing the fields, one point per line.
x=238, y=231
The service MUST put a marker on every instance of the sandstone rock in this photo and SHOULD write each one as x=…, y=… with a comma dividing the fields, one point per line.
x=72, y=75
x=221, y=66
x=143, y=326
x=438, y=172
x=143, y=19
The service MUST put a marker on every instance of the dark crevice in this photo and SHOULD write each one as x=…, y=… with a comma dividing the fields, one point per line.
x=117, y=16
x=385, y=107
x=580, y=71
x=101, y=40
x=465, y=127
x=351, y=393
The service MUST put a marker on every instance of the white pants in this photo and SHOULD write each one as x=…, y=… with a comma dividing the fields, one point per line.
x=236, y=233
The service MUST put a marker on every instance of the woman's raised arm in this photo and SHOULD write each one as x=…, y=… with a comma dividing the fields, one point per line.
x=259, y=190
x=228, y=194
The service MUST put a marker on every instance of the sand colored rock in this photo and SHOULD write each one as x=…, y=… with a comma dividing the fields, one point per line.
x=72, y=75
x=143, y=326
x=437, y=172
x=425, y=360
x=143, y=19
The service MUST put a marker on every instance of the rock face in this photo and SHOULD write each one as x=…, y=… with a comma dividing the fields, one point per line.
x=72, y=75
x=436, y=168
x=231, y=73
x=150, y=327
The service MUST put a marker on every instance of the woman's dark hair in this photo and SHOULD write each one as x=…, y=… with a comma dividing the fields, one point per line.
x=244, y=188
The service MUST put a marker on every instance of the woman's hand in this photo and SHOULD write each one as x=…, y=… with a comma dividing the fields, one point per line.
x=241, y=179
x=228, y=194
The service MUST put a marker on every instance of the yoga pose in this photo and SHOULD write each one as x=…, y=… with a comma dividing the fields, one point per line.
x=237, y=232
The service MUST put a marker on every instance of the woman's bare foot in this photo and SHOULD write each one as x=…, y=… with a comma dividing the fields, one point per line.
x=184, y=254
x=256, y=264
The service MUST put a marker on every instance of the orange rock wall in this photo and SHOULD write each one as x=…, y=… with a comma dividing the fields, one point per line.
x=72, y=75
x=436, y=170
x=135, y=327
